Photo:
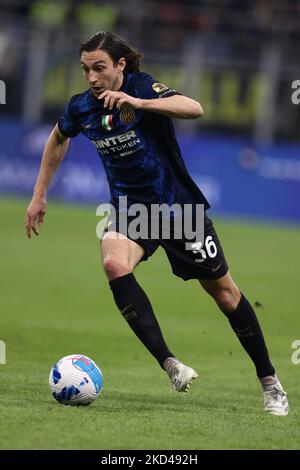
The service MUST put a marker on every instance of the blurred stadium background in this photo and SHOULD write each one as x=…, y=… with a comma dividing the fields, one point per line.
x=239, y=59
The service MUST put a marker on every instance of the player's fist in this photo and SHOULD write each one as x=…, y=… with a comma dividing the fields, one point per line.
x=35, y=214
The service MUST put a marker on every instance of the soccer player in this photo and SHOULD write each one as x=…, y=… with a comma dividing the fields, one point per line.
x=127, y=115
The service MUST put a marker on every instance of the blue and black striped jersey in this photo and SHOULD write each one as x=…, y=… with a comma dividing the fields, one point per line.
x=138, y=149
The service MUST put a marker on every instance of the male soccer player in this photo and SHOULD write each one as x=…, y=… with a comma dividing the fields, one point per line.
x=127, y=115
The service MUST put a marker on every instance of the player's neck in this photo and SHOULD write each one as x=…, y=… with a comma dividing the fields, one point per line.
x=119, y=83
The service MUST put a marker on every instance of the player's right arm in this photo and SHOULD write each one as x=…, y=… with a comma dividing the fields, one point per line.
x=54, y=152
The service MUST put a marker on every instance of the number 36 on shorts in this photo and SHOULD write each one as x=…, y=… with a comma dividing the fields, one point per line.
x=208, y=248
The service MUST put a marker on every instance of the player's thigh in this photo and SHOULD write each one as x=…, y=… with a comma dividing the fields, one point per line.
x=119, y=250
x=203, y=259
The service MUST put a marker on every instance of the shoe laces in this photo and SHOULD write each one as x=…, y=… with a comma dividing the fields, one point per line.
x=276, y=393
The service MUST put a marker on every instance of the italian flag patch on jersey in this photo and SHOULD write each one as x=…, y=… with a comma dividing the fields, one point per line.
x=107, y=122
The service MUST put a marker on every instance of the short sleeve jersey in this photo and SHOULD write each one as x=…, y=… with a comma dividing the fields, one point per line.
x=138, y=148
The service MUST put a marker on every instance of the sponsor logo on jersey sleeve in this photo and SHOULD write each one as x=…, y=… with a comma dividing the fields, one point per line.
x=159, y=87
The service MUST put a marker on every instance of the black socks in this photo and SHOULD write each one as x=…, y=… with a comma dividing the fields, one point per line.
x=136, y=309
x=245, y=324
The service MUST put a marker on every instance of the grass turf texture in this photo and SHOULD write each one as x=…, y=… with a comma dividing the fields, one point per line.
x=55, y=301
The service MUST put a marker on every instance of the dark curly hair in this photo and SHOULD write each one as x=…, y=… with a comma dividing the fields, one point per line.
x=115, y=47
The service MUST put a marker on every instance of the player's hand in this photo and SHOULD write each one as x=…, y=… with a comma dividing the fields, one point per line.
x=119, y=100
x=35, y=214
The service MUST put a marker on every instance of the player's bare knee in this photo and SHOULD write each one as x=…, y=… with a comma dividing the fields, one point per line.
x=227, y=300
x=115, y=267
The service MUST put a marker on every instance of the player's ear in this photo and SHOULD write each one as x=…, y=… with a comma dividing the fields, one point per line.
x=121, y=64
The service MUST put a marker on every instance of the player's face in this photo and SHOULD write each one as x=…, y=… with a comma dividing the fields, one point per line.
x=100, y=71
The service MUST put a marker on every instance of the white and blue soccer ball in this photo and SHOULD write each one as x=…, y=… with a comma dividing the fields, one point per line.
x=75, y=380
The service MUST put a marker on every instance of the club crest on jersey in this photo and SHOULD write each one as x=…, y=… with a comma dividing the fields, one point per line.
x=127, y=116
x=159, y=87
x=107, y=122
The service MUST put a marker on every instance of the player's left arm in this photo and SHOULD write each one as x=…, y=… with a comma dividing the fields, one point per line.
x=176, y=106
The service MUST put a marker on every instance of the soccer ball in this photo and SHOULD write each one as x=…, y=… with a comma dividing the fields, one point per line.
x=75, y=380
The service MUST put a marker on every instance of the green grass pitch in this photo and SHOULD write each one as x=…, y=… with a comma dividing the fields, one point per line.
x=55, y=301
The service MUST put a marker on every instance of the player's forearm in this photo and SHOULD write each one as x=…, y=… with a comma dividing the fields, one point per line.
x=54, y=152
x=176, y=106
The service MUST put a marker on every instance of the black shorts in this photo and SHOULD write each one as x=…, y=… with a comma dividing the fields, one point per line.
x=205, y=260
